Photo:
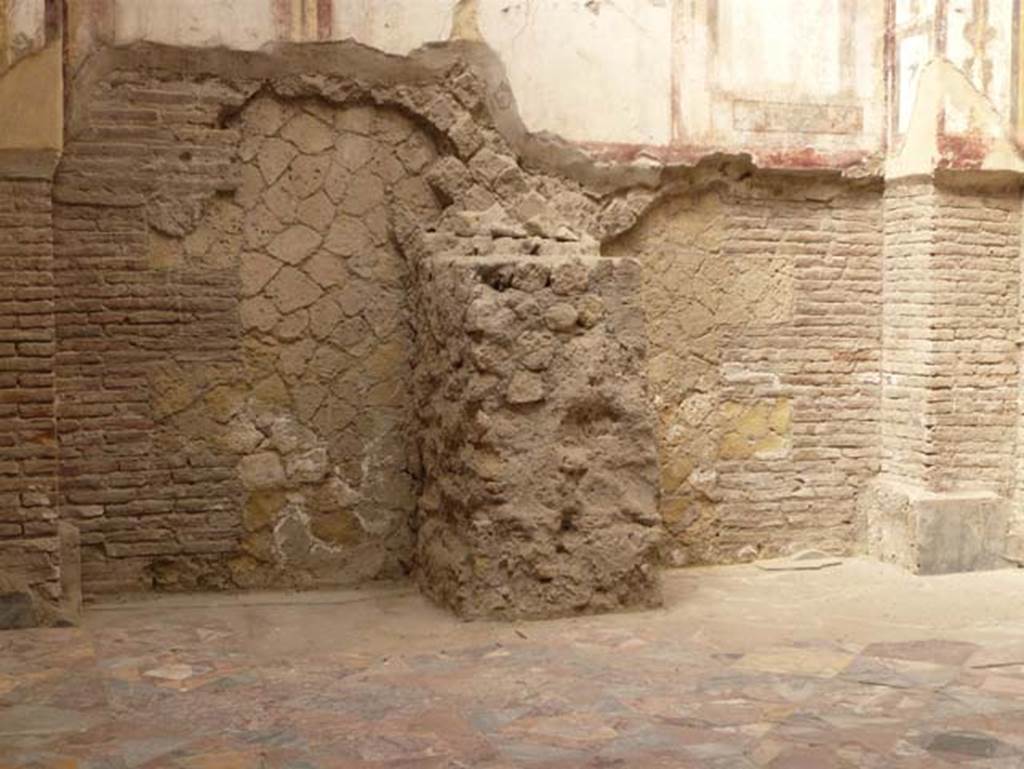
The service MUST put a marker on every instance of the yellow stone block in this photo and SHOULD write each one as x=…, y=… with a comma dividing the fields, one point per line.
x=755, y=429
x=674, y=509
x=272, y=390
x=262, y=508
x=779, y=420
x=674, y=471
x=753, y=424
x=771, y=444
x=224, y=402
x=338, y=528
x=734, y=446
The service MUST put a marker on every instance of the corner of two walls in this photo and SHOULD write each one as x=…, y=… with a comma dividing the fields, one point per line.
x=835, y=366
x=763, y=303
x=946, y=498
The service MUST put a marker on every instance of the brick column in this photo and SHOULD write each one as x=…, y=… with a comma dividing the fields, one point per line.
x=949, y=375
x=31, y=576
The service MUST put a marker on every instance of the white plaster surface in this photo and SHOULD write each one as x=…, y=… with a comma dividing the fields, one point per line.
x=26, y=26
x=914, y=11
x=915, y=53
x=394, y=26
x=782, y=49
x=741, y=66
x=242, y=24
x=594, y=71
x=989, y=69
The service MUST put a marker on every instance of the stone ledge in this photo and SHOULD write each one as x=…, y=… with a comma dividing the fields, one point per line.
x=936, y=533
x=23, y=605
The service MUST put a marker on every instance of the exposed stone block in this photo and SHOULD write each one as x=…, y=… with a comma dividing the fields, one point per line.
x=261, y=471
x=937, y=533
x=540, y=489
x=70, y=571
x=294, y=244
x=17, y=610
x=308, y=133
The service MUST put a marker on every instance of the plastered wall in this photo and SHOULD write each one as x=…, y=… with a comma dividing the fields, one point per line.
x=22, y=29
x=795, y=83
x=799, y=85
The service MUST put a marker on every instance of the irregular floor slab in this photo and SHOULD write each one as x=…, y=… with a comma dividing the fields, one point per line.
x=860, y=665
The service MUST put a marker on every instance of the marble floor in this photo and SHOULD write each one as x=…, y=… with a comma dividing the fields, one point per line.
x=852, y=665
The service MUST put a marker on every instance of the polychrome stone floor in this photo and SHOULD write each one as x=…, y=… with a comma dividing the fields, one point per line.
x=856, y=665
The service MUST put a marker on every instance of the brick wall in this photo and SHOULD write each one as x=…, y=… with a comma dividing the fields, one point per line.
x=124, y=313
x=135, y=497
x=29, y=546
x=821, y=362
x=233, y=342
x=763, y=302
